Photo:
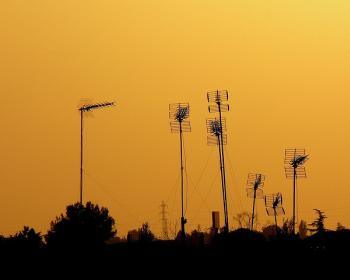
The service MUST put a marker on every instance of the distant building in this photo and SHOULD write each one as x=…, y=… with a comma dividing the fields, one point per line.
x=133, y=235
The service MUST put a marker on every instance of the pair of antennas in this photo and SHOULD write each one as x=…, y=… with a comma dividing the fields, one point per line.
x=216, y=128
x=273, y=202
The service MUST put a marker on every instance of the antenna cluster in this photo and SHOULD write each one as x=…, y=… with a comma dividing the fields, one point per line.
x=216, y=127
x=179, y=114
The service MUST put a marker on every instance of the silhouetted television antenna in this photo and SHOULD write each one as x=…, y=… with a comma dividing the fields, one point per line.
x=294, y=167
x=83, y=109
x=273, y=204
x=255, y=184
x=216, y=128
x=179, y=123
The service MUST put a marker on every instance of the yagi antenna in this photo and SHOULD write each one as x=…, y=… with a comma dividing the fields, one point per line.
x=273, y=204
x=83, y=109
x=179, y=123
x=216, y=128
x=294, y=168
x=255, y=184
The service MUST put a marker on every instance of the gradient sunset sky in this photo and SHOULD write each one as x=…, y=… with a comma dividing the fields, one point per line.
x=285, y=63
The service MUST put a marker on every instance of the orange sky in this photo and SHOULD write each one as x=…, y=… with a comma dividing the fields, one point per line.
x=285, y=64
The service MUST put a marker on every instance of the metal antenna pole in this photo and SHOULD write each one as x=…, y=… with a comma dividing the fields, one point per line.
x=253, y=210
x=294, y=168
x=183, y=220
x=222, y=180
x=218, y=97
x=255, y=183
x=223, y=167
x=275, y=218
x=86, y=108
x=81, y=156
x=179, y=114
x=294, y=186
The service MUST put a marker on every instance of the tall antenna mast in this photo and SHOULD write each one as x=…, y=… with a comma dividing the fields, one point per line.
x=179, y=123
x=294, y=167
x=255, y=183
x=83, y=109
x=216, y=128
x=163, y=213
x=273, y=204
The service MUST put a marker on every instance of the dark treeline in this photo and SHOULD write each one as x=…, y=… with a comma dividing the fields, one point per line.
x=83, y=240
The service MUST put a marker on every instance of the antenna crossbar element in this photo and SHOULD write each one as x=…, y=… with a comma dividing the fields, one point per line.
x=300, y=172
x=218, y=108
x=215, y=127
x=255, y=180
x=179, y=111
x=217, y=96
x=278, y=211
x=185, y=126
x=215, y=141
x=273, y=200
x=90, y=107
x=259, y=194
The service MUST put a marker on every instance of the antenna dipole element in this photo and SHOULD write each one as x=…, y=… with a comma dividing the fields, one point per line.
x=294, y=168
x=179, y=123
x=216, y=128
x=82, y=109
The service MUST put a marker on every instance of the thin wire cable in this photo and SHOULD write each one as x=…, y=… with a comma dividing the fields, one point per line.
x=110, y=196
x=195, y=185
x=209, y=191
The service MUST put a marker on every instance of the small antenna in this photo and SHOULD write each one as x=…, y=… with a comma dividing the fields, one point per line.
x=83, y=109
x=294, y=161
x=216, y=128
x=273, y=204
x=179, y=123
x=255, y=184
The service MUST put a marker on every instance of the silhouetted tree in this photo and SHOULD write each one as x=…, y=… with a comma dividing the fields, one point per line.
x=318, y=224
x=243, y=220
x=82, y=226
x=303, y=229
x=269, y=231
x=340, y=227
x=287, y=228
x=26, y=239
x=145, y=233
x=196, y=238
